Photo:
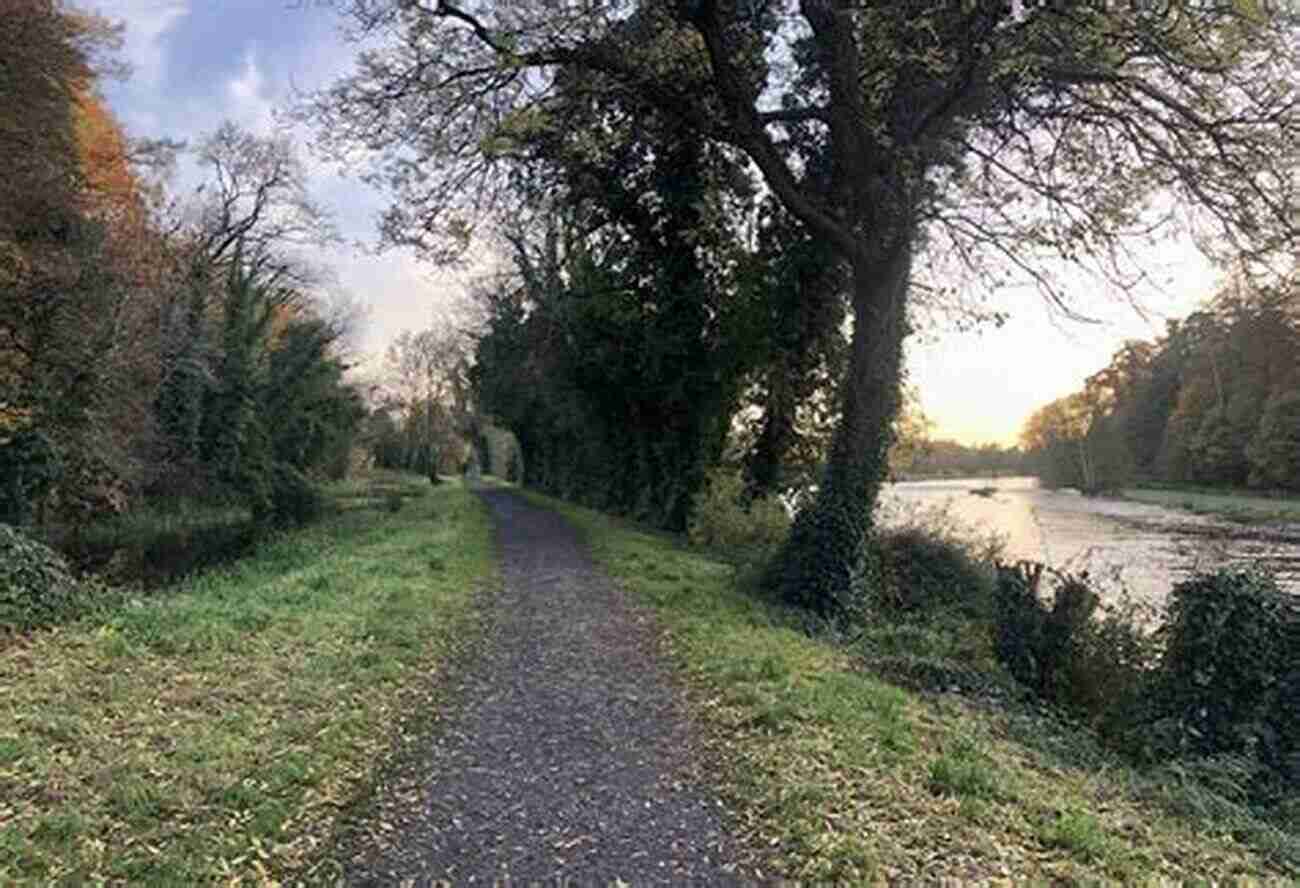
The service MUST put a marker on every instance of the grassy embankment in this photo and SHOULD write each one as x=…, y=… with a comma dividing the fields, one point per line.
x=214, y=733
x=844, y=776
x=1240, y=505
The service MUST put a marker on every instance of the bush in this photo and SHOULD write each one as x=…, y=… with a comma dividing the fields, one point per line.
x=37, y=587
x=918, y=572
x=741, y=532
x=1101, y=668
x=1217, y=685
x=291, y=499
x=1034, y=640
x=30, y=465
x=1230, y=675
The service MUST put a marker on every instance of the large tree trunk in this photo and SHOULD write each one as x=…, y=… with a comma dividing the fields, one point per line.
x=820, y=566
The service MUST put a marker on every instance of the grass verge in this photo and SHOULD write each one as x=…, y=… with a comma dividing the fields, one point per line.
x=843, y=776
x=1233, y=505
x=214, y=734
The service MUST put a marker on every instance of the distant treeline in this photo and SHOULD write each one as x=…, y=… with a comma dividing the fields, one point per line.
x=950, y=459
x=1215, y=401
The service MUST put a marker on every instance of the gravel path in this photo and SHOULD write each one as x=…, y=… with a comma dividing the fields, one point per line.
x=565, y=758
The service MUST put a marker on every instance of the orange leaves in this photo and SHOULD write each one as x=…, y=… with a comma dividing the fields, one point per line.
x=103, y=154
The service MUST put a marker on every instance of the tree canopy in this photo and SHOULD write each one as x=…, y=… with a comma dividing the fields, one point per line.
x=147, y=347
x=1001, y=136
x=1213, y=401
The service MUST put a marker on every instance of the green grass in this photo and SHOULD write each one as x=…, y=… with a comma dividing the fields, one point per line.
x=839, y=775
x=1235, y=505
x=215, y=733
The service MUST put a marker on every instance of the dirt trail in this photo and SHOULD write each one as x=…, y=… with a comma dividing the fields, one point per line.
x=566, y=757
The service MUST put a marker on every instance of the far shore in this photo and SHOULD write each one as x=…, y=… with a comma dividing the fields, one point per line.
x=1231, y=504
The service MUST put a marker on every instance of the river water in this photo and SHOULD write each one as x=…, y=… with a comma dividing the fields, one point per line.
x=1146, y=548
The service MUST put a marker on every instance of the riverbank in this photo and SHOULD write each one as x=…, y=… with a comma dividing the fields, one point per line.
x=846, y=776
x=214, y=732
x=1237, y=505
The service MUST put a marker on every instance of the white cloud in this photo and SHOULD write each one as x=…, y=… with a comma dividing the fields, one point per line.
x=246, y=93
x=147, y=23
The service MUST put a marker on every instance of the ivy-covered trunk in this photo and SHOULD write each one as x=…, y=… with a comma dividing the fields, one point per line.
x=820, y=566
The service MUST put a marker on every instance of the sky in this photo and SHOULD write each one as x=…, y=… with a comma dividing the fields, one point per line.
x=197, y=63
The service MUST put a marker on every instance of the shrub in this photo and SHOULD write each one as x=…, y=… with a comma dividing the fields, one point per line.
x=30, y=465
x=918, y=572
x=1230, y=675
x=291, y=499
x=1067, y=655
x=721, y=520
x=37, y=587
x=1033, y=638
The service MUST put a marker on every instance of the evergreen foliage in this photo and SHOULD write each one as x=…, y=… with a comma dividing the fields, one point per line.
x=289, y=498
x=37, y=588
x=1230, y=675
x=1215, y=687
x=637, y=340
x=30, y=466
x=916, y=571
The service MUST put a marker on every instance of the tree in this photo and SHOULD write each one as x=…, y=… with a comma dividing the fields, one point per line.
x=1075, y=442
x=315, y=415
x=987, y=128
x=76, y=356
x=255, y=202
x=256, y=198
x=233, y=442
x=1203, y=403
x=638, y=300
x=1275, y=450
x=801, y=302
x=428, y=385
x=50, y=56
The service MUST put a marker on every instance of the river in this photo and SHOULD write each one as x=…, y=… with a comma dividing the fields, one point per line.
x=1145, y=547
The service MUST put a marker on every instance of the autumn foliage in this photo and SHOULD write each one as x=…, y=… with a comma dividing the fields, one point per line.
x=118, y=302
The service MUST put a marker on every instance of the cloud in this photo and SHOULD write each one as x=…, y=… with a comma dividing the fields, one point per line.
x=198, y=64
x=400, y=292
x=147, y=23
x=247, y=101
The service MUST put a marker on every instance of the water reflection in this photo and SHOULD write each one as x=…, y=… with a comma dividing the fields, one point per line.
x=1146, y=547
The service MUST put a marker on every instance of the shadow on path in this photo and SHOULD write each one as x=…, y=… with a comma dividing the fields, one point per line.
x=563, y=757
